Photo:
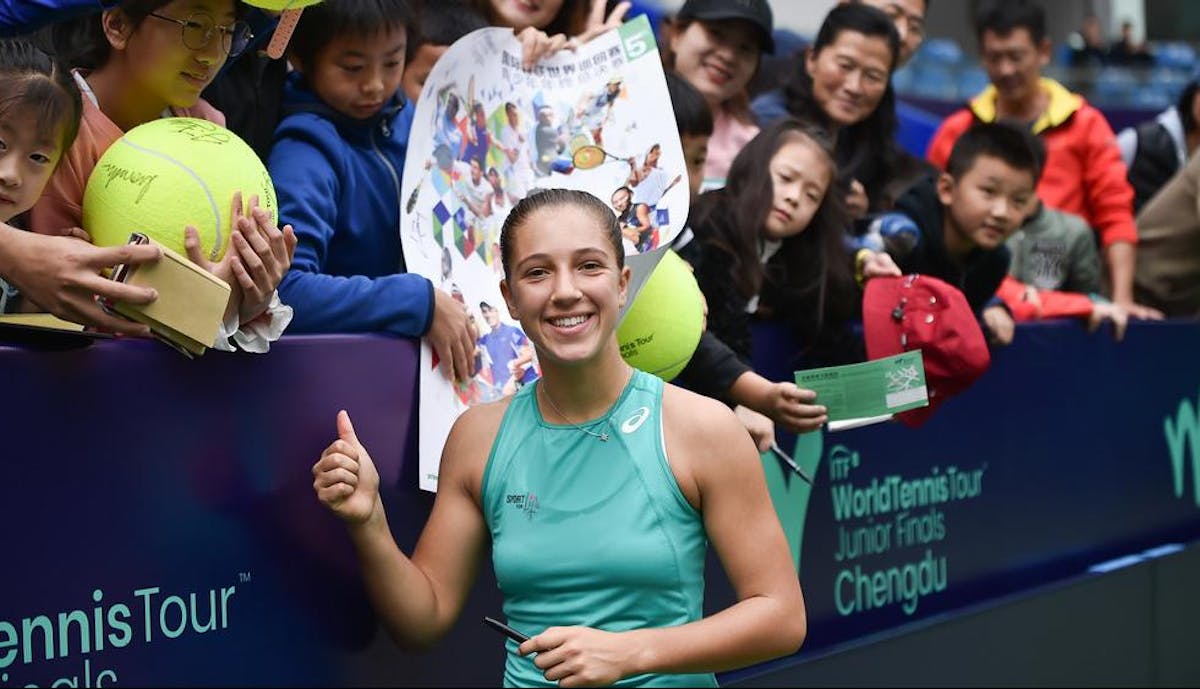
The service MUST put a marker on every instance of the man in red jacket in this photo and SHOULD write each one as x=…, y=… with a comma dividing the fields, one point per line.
x=1084, y=173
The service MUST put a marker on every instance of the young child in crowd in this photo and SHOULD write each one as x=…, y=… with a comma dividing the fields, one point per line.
x=760, y=400
x=770, y=239
x=1055, y=269
x=1084, y=173
x=133, y=63
x=716, y=47
x=39, y=118
x=441, y=24
x=336, y=163
x=770, y=244
x=966, y=214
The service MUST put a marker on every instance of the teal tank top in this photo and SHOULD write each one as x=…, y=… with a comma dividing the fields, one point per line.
x=590, y=532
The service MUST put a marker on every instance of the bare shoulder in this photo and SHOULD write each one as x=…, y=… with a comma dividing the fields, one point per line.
x=703, y=419
x=704, y=440
x=465, y=454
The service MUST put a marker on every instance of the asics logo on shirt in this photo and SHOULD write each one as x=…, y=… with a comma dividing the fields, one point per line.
x=635, y=422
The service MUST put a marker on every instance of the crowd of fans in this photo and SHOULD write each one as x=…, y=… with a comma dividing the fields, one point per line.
x=805, y=193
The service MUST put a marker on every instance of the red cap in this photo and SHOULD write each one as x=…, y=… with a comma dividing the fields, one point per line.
x=901, y=314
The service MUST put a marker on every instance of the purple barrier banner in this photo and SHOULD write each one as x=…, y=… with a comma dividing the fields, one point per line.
x=162, y=528
x=1072, y=456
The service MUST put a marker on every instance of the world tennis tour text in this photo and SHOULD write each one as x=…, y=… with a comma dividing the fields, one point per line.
x=148, y=615
x=888, y=530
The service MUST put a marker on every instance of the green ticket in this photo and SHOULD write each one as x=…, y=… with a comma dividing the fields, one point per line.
x=873, y=388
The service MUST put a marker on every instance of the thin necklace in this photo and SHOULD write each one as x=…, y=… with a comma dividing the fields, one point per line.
x=602, y=435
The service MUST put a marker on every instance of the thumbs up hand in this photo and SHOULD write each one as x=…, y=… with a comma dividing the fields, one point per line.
x=345, y=478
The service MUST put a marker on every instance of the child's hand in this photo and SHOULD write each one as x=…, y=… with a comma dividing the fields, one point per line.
x=598, y=24
x=857, y=202
x=536, y=44
x=1000, y=325
x=761, y=428
x=794, y=408
x=879, y=264
x=258, y=256
x=451, y=337
x=62, y=275
x=1109, y=312
x=78, y=233
x=1140, y=312
x=1032, y=297
x=264, y=254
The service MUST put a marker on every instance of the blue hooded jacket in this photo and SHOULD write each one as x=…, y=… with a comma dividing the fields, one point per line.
x=338, y=182
x=18, y=17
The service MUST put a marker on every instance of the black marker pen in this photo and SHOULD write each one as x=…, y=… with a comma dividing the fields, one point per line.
x=505, y=630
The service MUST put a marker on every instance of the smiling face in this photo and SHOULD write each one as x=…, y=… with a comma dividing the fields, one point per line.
x=27, y=160
x=160, y=69
x=356, y=75
x=986, y=204
x=800, y=177
x=850, y=76
x=718, y=58
x=520, y=14
x=565, y=285
x=620, y=200
x=1014, y=62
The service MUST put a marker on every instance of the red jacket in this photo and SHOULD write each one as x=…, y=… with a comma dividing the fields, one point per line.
x=1055, y=304
x=1084, y=173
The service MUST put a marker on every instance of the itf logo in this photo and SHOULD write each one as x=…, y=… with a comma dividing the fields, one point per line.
x=1183, y=433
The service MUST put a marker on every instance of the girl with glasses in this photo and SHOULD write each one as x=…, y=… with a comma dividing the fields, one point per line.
x=137, y=62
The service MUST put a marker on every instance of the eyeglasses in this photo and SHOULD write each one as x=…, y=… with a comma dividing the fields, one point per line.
x=198, y=31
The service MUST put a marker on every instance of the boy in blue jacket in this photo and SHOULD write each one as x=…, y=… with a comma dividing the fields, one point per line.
x=336, y=165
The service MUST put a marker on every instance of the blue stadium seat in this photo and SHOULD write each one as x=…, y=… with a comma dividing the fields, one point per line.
x=971, y=80
x=934, y=81
x=1114, y=86
x=1175, y=55
x=1154, y=96
x=942, y=51
x=902, y=79
x=1062, y=54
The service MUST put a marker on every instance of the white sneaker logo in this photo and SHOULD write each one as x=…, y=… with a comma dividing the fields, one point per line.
x=635, y=422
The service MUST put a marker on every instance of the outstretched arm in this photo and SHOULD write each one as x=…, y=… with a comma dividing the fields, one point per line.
x=62, y=276
x=418, y=598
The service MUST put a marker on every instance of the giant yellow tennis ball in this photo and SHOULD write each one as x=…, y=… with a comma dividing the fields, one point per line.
x=662, y=326
x=167, y=174
x=280, y=5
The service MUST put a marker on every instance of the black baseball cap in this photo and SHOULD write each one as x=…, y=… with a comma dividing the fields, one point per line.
x=757, y=12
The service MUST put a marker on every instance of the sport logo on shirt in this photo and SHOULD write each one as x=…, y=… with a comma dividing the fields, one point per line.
x=635, y=421
x=526, y=502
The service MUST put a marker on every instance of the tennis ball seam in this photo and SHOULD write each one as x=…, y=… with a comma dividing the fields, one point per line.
x=212, y=202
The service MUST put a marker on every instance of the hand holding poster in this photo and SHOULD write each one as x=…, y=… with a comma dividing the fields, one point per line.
x=487, y=133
